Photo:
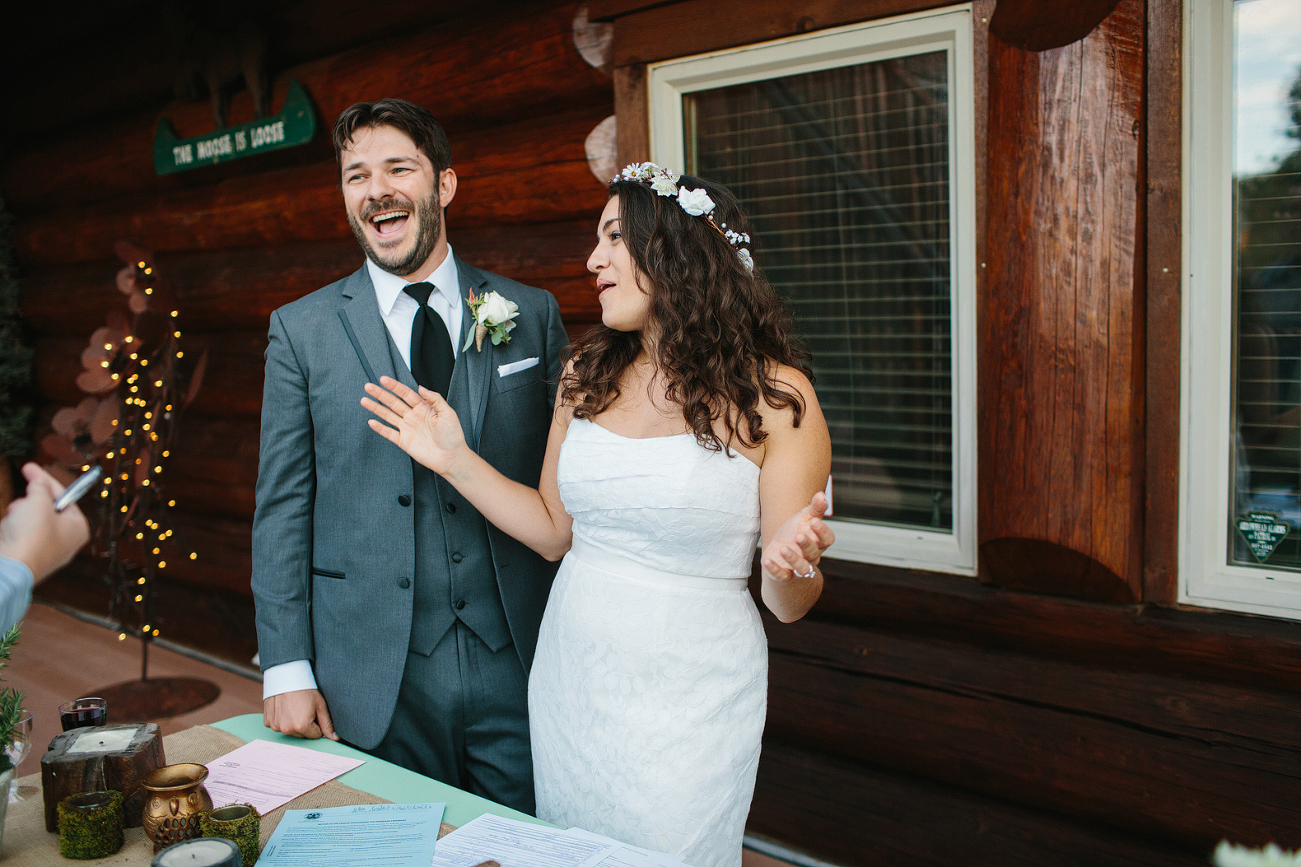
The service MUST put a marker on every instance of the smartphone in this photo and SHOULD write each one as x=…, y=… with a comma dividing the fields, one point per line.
x=78, y=489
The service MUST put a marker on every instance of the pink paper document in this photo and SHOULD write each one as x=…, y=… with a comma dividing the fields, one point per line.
x=269, y=775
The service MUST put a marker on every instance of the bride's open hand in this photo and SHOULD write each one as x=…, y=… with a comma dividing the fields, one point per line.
x=796, y=548
x=422, y=425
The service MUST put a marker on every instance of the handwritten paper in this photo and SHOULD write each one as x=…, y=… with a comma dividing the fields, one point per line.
x=269, y=775
x=377, y=835
x=512, y=843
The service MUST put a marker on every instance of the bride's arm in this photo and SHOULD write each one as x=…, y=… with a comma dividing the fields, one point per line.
x=796, y=463
x=425, y=427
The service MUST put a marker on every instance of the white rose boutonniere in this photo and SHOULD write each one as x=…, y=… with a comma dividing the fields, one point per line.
x=695, y=202
x=493, y=315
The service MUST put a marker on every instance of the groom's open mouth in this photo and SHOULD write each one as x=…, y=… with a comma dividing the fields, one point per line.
x=390, y=223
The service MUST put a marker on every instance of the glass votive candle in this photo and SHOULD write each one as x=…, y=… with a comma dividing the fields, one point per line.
x=238, y=822
x=200, y=852
x=90, y=825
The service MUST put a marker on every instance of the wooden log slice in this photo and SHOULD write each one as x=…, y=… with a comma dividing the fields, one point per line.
x=76, y=763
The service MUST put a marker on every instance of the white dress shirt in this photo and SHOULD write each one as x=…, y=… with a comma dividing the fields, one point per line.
x=398, y=310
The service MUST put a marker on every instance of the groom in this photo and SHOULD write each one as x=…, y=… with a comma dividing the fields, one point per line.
x=388, y=610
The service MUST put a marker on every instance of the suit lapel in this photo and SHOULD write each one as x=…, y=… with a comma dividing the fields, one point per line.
x=476, y=364
x=366, y=330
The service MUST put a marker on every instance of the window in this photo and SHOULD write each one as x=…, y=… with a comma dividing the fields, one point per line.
x=852, y=150
x=1241, y=498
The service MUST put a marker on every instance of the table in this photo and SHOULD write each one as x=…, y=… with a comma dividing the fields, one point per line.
x=27, y=842
x=380, y=778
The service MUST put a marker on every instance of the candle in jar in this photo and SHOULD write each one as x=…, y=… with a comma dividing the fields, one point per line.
x=203, y=852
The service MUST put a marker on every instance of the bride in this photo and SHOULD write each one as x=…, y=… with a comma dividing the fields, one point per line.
x=685, y=426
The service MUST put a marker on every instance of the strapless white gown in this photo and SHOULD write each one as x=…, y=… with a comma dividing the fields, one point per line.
x=649, y=688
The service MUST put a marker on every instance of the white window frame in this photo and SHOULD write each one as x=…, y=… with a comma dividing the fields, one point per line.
x=1206, y=439
x=947, y=29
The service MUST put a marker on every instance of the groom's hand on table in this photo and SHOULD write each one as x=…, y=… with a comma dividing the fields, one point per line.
x=300, y=714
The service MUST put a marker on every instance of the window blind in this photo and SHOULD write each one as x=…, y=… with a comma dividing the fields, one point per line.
x=845, y=173
x=1267, y=316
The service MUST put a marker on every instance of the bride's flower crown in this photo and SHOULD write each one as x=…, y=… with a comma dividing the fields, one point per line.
x=695, y=202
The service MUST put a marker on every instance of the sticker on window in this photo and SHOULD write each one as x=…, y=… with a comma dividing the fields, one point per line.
x=1263, y=531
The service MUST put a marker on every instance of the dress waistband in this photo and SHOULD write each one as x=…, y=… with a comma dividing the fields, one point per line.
x=626, y=568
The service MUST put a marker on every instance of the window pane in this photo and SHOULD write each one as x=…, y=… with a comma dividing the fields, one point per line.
x=846, y=175
x=1265, y=519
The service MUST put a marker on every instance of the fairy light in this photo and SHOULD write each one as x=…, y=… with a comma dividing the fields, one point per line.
x=140, y=598
x=140, y=580
x=121, y=636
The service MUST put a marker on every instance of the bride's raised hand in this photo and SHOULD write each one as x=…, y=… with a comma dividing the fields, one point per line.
x=796, y=548
x=422, y=425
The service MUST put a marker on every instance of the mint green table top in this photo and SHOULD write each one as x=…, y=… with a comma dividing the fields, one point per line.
x=380, y=778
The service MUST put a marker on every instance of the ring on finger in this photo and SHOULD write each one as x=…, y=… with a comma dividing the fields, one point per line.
x=813, y=570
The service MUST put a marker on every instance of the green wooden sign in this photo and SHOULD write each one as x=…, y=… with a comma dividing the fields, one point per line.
x=1263, y=531
x=294, y=125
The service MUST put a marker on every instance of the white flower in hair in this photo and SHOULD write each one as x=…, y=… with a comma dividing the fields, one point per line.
x=665, y=185
x=695, y=202
x=746, y=259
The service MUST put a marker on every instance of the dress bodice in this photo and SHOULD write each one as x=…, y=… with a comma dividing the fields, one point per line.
x=662, y=502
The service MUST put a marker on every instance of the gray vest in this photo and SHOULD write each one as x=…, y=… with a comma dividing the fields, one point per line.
x=455, y=577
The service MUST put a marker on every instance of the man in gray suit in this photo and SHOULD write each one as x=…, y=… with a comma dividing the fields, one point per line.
x=390, y=614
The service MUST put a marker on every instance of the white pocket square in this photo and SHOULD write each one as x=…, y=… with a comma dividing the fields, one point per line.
x=516, y=366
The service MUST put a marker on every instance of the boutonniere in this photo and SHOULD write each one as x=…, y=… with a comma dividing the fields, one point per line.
x=493, y=315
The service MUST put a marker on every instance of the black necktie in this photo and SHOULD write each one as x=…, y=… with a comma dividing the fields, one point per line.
x=431, y=347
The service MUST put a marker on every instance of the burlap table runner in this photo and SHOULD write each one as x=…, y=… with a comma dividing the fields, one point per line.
x=27, y=843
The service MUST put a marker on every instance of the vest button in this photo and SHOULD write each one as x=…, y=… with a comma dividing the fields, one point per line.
x=457, y=558
x=404, y=500
x=460, y=603
x=404, y=583
x=451, y=507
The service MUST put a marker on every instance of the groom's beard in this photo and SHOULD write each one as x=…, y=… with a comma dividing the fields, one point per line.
x=427, y=217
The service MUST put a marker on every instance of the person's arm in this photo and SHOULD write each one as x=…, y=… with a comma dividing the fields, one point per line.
x=15, y=592
x=282, y=541
x=796, y=463
x=425, y=427
x=35, y=540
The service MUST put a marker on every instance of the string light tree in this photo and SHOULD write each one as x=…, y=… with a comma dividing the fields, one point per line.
x=137, y=363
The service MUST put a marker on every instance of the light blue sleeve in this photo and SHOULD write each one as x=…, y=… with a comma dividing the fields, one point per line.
x=15, y=592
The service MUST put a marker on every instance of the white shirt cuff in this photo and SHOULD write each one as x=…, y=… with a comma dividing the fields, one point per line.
x=287, y=677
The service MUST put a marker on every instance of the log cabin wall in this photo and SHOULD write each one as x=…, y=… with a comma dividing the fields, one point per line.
x=236, y=240
x=1060, y=709
x=1057, y=710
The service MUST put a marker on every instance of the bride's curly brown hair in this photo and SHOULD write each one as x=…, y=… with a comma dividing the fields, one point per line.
x=723, y=331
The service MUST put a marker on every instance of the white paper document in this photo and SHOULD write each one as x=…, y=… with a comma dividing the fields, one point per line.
x=377, y=835
x=269, y=775
x=512, y=843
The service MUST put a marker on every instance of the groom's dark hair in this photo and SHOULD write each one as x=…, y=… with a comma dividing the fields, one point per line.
x=412, y=119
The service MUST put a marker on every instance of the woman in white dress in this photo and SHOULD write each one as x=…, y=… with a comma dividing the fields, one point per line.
x=685, y=427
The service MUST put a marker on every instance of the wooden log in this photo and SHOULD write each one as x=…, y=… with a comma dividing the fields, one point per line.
x=231, y=386
x=532, y=71
x=697, y=26
x=238, y=288
x=529, y=172
x=1036, y=25
x=213, y=468
x=73, y=765
x=855, y=814
x=1229, y=648
x=1163, y=252
x=223, y=546
x=1095, y=765
x=1060, y=336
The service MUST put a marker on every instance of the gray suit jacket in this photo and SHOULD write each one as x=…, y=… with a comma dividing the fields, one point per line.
x=334, y=531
